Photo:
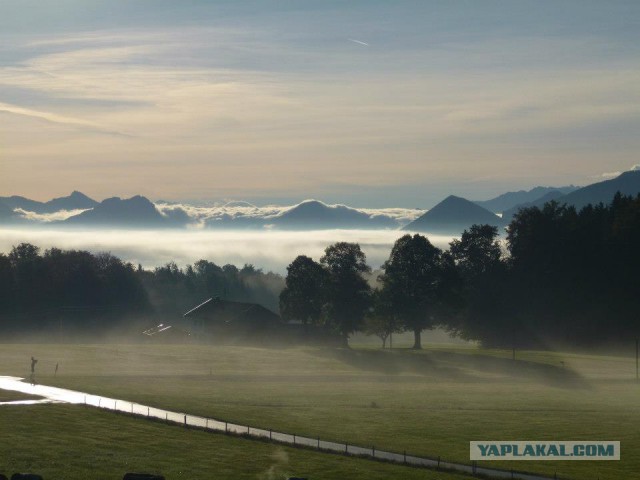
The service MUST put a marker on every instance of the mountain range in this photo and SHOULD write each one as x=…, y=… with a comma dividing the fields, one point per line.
x=509, y=200
x=75, y=201
x=451, y=216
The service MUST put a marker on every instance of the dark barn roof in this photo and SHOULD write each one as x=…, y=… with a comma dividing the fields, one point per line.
x=224, y=311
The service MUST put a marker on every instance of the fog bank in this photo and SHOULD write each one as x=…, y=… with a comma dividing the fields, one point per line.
x=269, y=250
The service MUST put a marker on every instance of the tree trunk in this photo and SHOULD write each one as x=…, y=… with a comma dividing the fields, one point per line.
x=391, y=341
x=384, y=342
x=417, y=341
x=345, y=340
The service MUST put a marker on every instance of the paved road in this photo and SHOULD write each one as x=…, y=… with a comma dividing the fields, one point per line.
x=53, y=394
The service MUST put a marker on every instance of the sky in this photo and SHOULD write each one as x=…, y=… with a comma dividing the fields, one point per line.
x=366, y=103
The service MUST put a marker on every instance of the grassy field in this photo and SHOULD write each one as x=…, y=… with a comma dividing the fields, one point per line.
x=8, y=396
x=76, y=442
x=431, y=402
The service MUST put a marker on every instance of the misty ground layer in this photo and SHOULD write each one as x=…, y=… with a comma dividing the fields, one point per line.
x=430, y=403
x=76, y=442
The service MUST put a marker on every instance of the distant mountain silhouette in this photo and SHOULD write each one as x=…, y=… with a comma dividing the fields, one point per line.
x=75, y=201
x=313, y=214
x=508, y=214
x=136, y=211
x=627, y=183
x=6, y=214
x=452, y=216
x=510, y=200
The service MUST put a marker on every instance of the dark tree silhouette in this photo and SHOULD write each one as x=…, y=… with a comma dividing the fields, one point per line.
x=304, y=295
x=348, y=293
x=412, y=279
x=484, y=290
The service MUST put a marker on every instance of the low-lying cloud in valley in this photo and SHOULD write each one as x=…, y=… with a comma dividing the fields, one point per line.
x=269, y=250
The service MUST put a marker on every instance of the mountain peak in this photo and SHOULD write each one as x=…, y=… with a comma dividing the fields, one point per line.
x=453, y=215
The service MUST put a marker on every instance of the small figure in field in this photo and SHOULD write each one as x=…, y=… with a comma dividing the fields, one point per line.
x=56, y=371
x=33, y=371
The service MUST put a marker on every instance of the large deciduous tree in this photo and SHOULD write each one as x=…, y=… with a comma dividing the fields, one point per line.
x=304, y=294
x=413, y=279
x=348, y=293
x=484, y=288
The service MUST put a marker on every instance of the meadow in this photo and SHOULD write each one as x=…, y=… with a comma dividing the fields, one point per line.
x=430, y=402
x=74, y=442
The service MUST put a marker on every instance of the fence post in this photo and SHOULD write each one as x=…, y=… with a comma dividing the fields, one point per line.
x=225, y=427
x=115, y=405
x=85, y=399
x=185, y=420
x=270, y=432
x=99, y=400
x=206, y=425
x=405, y=456
x=132, y=408
x=438, y=462
x=318, y=442
x=373, y=451
x=346, y=448
x=147, y=411
x=294, y=438
x=248, y=430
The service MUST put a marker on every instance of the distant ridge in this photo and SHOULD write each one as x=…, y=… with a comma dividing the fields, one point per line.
x=509, y=200
x=313, y=214
x=75, y=201
x=452, y=216
x=627, y=183
x=136, y=211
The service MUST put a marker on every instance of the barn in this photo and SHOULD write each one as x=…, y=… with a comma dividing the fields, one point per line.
x=223, y=321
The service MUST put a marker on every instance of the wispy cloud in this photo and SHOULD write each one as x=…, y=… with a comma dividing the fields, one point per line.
x=220, y=106
x=59, y=119
x=358, y=42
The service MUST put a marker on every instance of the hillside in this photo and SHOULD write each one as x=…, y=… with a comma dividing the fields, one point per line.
x=136, y=211
x=75, y=201
x=628, y=183
x=313, y=214
x=510, y=200
x=452, y=216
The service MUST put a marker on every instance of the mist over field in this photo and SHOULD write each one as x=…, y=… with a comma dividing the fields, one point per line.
x=269, y=250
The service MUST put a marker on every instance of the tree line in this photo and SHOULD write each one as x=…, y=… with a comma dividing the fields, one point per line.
x=562, y=278
x=80, y=290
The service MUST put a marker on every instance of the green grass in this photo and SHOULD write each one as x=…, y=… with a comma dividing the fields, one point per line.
x=9, y=396
x=430, y=403
x=77, y=442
